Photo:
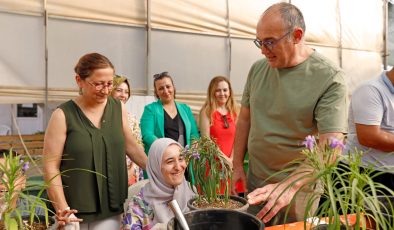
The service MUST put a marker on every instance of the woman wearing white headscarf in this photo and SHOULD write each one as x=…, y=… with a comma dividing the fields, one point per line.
x=166, y=167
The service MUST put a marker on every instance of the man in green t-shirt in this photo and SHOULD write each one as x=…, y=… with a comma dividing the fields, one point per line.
x=291, y=93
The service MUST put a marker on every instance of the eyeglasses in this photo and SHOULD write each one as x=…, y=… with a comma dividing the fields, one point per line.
x=269, y=44
x=101, y=86
x=160, y=75
x=226, y=125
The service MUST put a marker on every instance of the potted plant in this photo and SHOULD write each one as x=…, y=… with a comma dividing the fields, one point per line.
x=19, y=210
x=211, y=177
x=217, y=219
x=351, y=197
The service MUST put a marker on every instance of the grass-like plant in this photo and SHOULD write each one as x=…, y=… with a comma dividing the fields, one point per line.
x=210, y=170
x=345, y=187
x=15, y=199
x=13, y=184
x=18, y=208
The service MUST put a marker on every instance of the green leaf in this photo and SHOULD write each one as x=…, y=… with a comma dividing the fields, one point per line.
x=10, y=223
x=13, y=225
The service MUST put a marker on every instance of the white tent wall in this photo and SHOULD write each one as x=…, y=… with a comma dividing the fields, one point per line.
x=22, y=58
x=193, y=40
x=191, y=59
x=68, y=40
x=240, y=63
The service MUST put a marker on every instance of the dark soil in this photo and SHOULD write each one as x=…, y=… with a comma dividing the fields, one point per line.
x=219, y=203
x=27, y=226
x=35, y=226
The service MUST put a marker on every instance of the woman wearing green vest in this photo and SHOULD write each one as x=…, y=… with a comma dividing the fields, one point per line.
x=85, y=140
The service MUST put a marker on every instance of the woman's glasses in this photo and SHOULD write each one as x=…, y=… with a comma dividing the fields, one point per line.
x=226, y=125
x=100, y=86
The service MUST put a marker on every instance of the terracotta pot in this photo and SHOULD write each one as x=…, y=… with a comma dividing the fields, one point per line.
x=207, y=219
x=386, y=206
x=236, y=198
x=326, y=227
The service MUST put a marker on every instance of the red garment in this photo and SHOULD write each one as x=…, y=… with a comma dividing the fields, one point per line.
x=224, y=137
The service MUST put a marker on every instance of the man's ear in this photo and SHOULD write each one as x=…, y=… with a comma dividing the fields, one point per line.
x=297, y=35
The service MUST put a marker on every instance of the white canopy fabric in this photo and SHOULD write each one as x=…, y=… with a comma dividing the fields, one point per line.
x=350, y=32
x=361, y=21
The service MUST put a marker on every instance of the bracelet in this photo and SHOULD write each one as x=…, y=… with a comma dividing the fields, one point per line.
x=67, y=208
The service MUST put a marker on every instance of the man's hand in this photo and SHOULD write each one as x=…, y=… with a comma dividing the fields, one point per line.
x=238, y=175
x=276, y=196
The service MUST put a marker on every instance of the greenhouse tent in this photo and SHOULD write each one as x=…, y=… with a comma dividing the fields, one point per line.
x=192, y=39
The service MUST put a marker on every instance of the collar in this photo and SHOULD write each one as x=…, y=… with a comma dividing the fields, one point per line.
x=388, y=83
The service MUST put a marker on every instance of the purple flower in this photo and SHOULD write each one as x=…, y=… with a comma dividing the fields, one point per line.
x=196, y=155
x=335, y=143
x=185, y=151
x=25, y=167
x=309, y=142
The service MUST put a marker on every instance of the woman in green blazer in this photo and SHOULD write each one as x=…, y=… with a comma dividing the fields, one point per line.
x=165, y=117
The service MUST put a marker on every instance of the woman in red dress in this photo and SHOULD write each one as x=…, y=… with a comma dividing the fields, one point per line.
x=218, y=118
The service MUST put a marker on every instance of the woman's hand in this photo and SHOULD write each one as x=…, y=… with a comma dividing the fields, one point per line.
x=67, y=217
x=228, y=159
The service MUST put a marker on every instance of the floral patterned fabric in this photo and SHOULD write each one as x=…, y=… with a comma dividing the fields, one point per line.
x=135, y=173
x=139, y=215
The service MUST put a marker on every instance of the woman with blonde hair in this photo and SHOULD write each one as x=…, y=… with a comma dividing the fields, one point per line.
x=218, y=117
x=122, y=92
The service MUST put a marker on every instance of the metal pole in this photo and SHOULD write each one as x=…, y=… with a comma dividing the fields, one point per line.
x=340, y=53
x=385, y=33
x=149, y=80
x=46, y=115
x=228, y=38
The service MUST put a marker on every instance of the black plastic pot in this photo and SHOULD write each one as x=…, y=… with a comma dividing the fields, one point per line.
x=215, y=219
x=237, y=198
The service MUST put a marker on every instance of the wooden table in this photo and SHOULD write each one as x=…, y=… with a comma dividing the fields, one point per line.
x=300, y=225
x=291, y=226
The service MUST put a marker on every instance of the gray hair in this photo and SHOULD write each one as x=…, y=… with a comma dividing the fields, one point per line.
x=292, y=16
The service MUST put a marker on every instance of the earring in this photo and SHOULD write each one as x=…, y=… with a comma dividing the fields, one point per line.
x=80, y=91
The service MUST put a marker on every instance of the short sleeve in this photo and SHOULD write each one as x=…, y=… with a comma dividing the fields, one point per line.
x=367, y=106
x=245, y=101
x=332, y=108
